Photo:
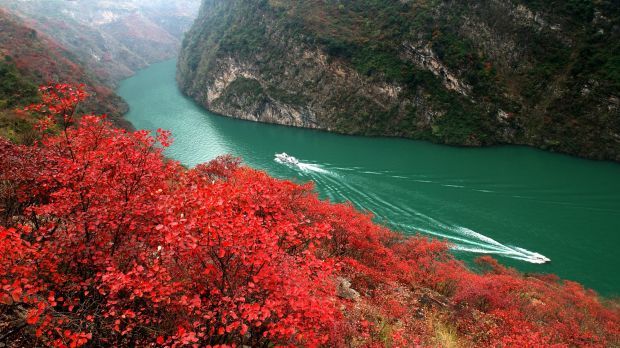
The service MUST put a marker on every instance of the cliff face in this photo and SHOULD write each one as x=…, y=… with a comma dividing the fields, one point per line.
x=114, y=38
x=540, y=73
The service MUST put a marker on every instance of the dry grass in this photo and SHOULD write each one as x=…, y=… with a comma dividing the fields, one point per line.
x=444, y=335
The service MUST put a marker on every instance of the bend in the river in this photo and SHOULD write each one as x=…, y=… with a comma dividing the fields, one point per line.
x=515, y=203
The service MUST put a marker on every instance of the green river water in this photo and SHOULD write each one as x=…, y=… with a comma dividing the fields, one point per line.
x=515, y=203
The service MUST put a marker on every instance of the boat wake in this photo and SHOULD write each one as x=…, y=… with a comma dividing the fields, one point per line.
x=467, y=240
x=341, y=187
x=495, y=247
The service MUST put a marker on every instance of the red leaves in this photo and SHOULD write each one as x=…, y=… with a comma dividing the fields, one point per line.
x=6, y=299
x=220, y=168
x=32, y=319
x=16, y=294
x=122, y=247
x=150, y=240
x=59, y=101
x=221, y=253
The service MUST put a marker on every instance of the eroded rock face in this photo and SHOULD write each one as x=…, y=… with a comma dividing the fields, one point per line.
x=463, y=73
x=424, y=57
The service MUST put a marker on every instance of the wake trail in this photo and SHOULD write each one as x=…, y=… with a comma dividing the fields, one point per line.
x=467, y=240
x=358, y=197
x=312, y=168
x=469, y=243
x=337, y=187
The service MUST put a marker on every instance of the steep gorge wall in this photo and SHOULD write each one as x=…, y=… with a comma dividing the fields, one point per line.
x=531, y=72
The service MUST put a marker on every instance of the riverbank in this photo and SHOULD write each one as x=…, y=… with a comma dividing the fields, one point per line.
x=223, y=254
x=559, y=206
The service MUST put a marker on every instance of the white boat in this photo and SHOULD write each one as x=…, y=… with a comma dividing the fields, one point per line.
x=286, y=159
x=540, y=259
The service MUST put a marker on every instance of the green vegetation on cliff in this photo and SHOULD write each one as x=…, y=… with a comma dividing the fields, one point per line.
x=15, y=91
x=540, y=73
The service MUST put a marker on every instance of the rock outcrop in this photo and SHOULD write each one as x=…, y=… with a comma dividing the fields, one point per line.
x=462, y=73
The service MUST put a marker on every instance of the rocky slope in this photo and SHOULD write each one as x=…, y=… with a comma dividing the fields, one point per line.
x=539, y=73
x=28, y=59
x=114, y=38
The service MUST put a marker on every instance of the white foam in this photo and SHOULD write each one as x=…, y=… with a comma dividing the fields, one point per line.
x=498, y=248
x=311, y=168
x=467, y=240
x=305, y=167
x=475, y=235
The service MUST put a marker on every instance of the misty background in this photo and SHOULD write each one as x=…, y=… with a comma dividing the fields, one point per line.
x=114, y=38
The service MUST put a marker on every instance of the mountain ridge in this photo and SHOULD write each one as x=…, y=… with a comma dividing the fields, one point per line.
x=28, y=59
x=115, y=39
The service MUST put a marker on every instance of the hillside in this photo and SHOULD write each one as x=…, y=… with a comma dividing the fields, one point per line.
x=113, y=38
x=105, y=243
x=538, y=73
x=28, y=59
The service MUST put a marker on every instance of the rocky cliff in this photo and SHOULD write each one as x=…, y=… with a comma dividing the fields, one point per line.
x=539, y=73
x=114, y=38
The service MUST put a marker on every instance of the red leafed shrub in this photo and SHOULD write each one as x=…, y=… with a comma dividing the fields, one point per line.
x=114, y=245
x=104, y=242
x=220, y=168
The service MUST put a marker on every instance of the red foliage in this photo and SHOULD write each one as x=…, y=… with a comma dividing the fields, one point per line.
x=116, y=245
x=107, y=243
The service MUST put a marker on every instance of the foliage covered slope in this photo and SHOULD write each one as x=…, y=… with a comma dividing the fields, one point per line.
x=105, y=243
x=113, y=38
x=28, y=59
x=540, y=73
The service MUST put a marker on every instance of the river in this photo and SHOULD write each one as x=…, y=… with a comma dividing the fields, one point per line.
x=516, y=203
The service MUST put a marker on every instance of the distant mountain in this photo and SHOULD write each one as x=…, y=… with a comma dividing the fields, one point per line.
x=28, y=59
x=533, y=72
x=114, y=38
